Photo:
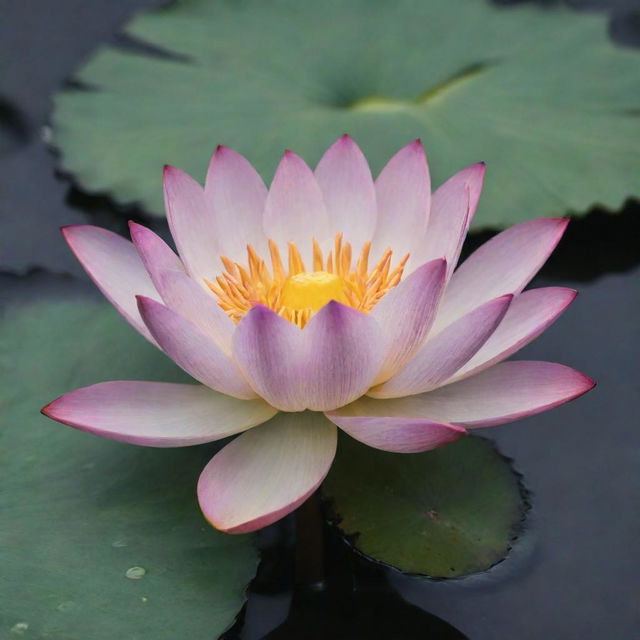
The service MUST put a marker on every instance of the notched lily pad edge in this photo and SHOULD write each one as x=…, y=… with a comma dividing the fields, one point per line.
x=516, y=533
x=133, y=45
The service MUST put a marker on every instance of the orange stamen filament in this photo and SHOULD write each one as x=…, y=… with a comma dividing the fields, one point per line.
x=295, y=293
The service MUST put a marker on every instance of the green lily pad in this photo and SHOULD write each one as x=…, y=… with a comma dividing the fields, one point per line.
x=541, y=95
x=100, y=539
x=444, y=513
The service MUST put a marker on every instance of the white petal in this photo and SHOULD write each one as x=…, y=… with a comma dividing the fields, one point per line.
x=397, y=434
x=406, y=314
x=268, y=350
x=192, y=224
x=443, y=355
x=190, y=349
x=190, y=300
x=295, y=210
x=154, y=252
x=114, y=265
x=452, y=208
x=267, y=472
x=506, y=392
x=528, y=316
x=403, y=192
x=157, y=414
x=504, y=264
x=347, y=188
x=343, y=354
x=237, y=196
x=329, y=363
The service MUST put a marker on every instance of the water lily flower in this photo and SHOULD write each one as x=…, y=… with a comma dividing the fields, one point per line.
x=329, y=300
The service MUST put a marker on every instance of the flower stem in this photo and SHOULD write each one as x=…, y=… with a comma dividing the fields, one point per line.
x=310, y=557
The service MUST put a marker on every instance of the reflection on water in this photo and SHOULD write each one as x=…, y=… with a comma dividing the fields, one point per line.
x=354, y=602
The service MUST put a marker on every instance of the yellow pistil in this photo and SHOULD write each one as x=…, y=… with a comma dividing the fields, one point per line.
x=295, y=293
x=312, y=290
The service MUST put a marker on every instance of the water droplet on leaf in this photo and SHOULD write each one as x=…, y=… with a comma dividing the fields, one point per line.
x=135, y=573
x=19, y=628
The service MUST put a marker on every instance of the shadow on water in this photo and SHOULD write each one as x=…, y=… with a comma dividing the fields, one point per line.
x=360, y=615
x=594, y=245
x=14, y=129
x=352, y=602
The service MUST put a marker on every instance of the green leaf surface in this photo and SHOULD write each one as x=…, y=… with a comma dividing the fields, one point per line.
x=444, y=513
x=101, y=540
x=541, y=95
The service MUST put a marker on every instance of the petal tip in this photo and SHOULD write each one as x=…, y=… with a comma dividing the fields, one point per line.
x=48, y=410
x=505, y=299
x=145, y=303
x=480, y=168
x=588, y=382
x=51, y=410
x=136, y=230
x=571, y=294
x=223, y=150
x=417, y=147
x=456, y=432
x=68, y=230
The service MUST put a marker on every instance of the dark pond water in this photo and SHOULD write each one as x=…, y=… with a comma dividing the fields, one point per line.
x=574, y=573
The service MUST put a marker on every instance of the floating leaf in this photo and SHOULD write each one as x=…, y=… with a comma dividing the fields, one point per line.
x=444, y=513
x=100, y=539
x=541, y=95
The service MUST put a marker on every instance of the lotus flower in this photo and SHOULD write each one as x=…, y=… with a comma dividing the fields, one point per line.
x=329, y=300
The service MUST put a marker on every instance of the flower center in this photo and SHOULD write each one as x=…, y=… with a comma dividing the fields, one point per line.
x=313, y=290
x=296, y=293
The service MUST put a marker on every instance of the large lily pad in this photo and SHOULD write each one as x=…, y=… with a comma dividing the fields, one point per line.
x=444, y=513
x=100, y=539
x=542, y=95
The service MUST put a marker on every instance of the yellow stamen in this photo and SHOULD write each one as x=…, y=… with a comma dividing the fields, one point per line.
x=295, y=293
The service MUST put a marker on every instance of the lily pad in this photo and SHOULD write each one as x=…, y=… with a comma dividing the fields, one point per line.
x=541, y=95
x=444, y=513
x=101, y=539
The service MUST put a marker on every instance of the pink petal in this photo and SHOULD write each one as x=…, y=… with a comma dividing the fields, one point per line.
x=330, y=363
x=192, y=224
x=295, y=210
x=157, y=414
x=268, y=349
x=400, y=435
x=528, y=316
x=114, y=265
x=347, y=188
x=190, y=349
x=237, y=197
x=452, y=208
x=156, y=255
x=267, y=472
x=506, y=392
x=403, y=191
x=190, y=300
x=443, y=355
x=504, y=264
x=406, y=313
x=342, y=356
